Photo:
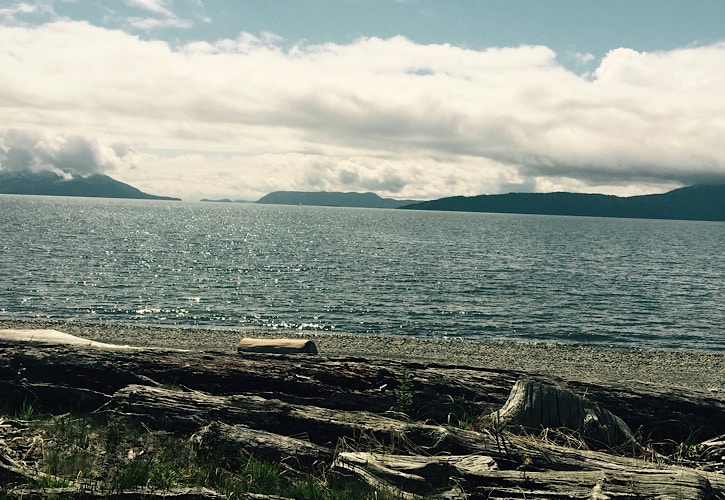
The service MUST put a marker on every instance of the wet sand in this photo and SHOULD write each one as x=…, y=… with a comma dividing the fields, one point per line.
x=677, y=369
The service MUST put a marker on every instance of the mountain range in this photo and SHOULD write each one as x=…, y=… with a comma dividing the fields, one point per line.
x=331, y=199
x=697, y=202
x=52, y=184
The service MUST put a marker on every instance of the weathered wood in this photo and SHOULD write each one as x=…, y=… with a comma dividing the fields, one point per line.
x=334, y=383
x=710, y=455
x=277, y=346
x=59, y=379
x=675, y=483
x=54, y=337
x=318, y=401
x=239, y=440
x=477, y=476
x=439, y=393
x=14, y=472
x=536, y=404
x=184, y=411
x=174, y=409
x=410, y=474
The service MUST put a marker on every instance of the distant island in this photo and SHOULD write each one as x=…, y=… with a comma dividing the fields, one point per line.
x=699, y=202
x=331, y=199
x=49, y=183
x=224, y=200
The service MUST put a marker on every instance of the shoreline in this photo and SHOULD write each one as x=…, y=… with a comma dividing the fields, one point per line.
x=689, y=370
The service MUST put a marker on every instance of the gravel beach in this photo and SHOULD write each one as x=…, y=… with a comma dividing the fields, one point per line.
x=676, y=369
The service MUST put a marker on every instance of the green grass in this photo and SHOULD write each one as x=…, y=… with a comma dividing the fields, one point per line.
x=109, y=454
x=403, y=393
x=27, y=411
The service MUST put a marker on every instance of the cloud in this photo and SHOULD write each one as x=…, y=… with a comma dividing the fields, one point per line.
x=74, y=155
x=165, y=17
x=583, y=58
x=155, y=6
x=15, y=14
x=243, y=116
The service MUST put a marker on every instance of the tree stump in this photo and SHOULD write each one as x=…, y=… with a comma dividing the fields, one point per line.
x=535, y=405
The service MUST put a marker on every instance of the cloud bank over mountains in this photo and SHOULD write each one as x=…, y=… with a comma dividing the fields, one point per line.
x=246, y=116
x=72, y=155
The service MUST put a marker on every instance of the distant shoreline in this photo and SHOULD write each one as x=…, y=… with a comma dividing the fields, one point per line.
x=678, y=369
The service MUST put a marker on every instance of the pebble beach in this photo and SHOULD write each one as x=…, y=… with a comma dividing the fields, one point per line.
x=682, y=370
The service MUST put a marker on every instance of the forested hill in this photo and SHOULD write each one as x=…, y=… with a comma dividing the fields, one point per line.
x=52, y=184
x=331, y=199
x=698, y=202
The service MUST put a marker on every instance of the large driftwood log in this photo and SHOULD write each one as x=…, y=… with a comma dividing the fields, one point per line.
x=345, y=383
x=185, y=411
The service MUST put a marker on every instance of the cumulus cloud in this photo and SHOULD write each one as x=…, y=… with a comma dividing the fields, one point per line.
x=74, y=155
x=393, y=116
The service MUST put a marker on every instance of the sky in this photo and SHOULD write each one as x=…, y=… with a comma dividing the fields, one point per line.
x=410, y=99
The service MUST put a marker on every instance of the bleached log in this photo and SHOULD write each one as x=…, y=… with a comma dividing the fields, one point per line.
x=410, y=474
x=277, y=346
x=478, y=476
x=50, y=336
x=594, y=485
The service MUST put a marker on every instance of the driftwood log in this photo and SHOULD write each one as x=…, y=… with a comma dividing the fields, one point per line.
x=319, y=412
x=277, y=346
x=60, y=378
x=476, y=476
x=534, y=468
x=239, y=440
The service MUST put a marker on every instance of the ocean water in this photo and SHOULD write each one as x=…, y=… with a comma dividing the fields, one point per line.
x=575, y=280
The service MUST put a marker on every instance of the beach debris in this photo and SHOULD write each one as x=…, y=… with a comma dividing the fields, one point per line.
x=712, y=454
x=50, y=336
x=277, y=346
x=325, y=413
x=410, y=474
